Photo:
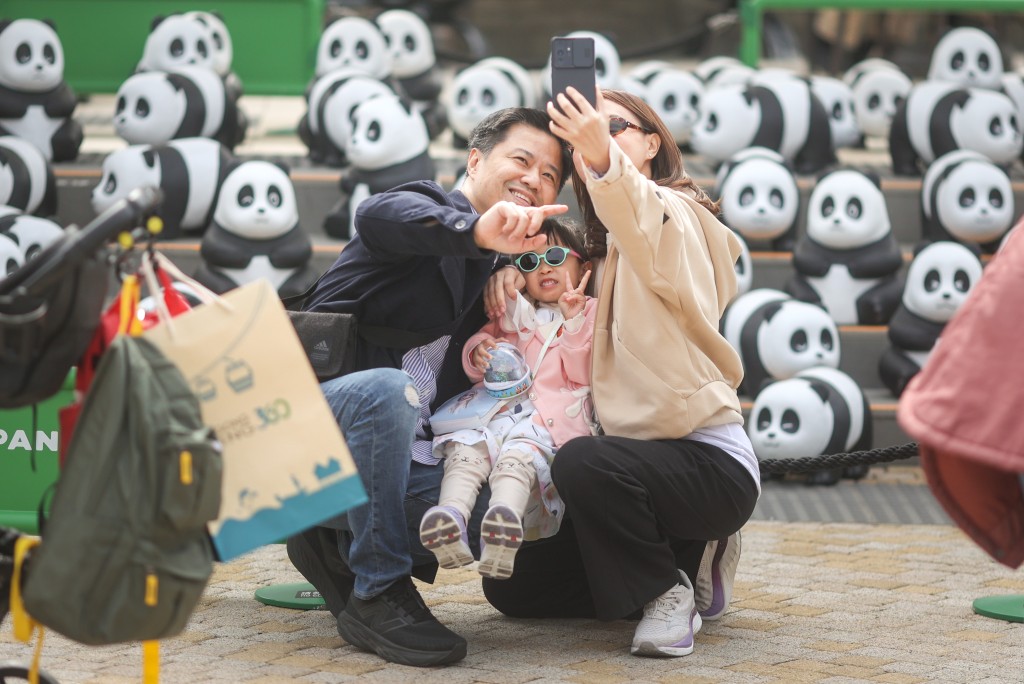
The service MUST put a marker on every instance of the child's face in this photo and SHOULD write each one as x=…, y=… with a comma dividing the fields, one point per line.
x=547, y=283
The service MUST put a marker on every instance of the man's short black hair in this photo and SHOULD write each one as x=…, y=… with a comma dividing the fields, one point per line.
x=493, y=130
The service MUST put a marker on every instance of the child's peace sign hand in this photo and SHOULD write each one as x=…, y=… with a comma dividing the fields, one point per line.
x=573, y=300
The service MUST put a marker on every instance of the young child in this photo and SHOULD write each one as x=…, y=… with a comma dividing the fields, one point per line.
x=513, y=451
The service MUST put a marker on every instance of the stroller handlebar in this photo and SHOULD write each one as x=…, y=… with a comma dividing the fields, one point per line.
x=78, y=244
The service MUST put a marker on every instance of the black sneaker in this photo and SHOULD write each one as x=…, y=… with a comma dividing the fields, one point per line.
x=314, y=553
x=398, y=626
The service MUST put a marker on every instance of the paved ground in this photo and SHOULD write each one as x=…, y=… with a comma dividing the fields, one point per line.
x=814, y=602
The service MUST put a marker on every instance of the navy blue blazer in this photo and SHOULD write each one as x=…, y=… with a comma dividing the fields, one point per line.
x=414, y=266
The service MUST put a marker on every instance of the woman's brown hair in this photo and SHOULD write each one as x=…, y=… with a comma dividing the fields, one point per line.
x=666, y=169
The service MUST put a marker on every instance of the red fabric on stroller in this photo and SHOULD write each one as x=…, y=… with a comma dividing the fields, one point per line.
x=964, y=409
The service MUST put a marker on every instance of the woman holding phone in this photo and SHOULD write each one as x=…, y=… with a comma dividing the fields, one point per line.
x=655, y=504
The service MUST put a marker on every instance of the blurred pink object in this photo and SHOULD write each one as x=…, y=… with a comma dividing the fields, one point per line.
x=965, y=409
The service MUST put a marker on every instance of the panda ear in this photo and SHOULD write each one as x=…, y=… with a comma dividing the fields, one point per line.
x=177, y=81
x=157, y=20
x=771, y=309
x=748, y=95
x=149, y=156
x=919, y=247
x=874, y=178
x=406, y=105
x=823, y=175
x=49, y=22
x=959, y=98
x=280, y=163
x=973, y=248
x=4, y=23
x=819, y=388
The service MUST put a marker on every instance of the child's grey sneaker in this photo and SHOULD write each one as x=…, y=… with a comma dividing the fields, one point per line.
x=716, y=575
x=669, y=623
x=443, y=532
x=501, y=535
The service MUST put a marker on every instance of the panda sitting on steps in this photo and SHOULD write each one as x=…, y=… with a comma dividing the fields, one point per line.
x=256, y=234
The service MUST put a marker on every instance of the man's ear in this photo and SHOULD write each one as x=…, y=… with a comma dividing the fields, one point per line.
x=472, y=162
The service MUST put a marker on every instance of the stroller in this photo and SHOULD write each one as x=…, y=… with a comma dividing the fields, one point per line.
x=49, y=310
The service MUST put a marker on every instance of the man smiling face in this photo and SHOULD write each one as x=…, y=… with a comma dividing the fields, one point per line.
x=524, y=168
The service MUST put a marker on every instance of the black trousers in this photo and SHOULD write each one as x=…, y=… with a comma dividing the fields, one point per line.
x=637, y=512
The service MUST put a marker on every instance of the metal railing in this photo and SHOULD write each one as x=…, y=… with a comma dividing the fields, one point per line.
x=752, y=13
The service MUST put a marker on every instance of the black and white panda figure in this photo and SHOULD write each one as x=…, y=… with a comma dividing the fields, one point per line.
x=327, y=124
x=177, y=41
x=31, y=233
x=26, y=178
x=967, y=198
x=256, y=233
x=781, y=114
x=719, y=71
x=673, y=93
x=389, y=147
x=222, y=48
x=938, y=281
x=11, y=258
x=837, y=98
x=759, y=198
x=938, y=117
x=483, y=88
x=414, y=64
x=36, y=103
x=777, y=336
x=353, y=43
x=848, y=260
x=607, y=63
x=156, y=107
x=967, y=57
x=744, y=268
x=189, y=172
x=879, y=87
x=818, y=411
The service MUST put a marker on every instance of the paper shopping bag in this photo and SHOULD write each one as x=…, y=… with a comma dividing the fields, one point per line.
x=286, y=465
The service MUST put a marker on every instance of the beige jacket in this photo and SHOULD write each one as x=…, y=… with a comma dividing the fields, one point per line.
x=661, y=369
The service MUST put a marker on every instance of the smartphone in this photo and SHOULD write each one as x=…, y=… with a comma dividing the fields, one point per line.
x=573, y=64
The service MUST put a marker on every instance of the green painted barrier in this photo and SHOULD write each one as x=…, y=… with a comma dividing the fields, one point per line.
x=274, y=41
x=752, y=12
x=21, y=487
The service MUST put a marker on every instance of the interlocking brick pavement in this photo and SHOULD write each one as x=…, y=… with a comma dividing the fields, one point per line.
x=813, y=602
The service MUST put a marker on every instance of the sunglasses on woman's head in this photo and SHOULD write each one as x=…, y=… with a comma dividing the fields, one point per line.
x=552, y=256
x=616, y=125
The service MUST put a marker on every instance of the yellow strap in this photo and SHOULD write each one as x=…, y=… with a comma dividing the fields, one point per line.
x=24, y=625
x=129, y=317
x=150, y=662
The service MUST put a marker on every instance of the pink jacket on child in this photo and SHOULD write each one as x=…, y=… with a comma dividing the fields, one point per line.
x=561, y=388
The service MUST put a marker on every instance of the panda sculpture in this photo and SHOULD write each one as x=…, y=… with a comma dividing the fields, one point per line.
x=816, y=412
x=938, y=117
x=414, y=64
x=36, y=104
x=672, y=93
x=222, y=48
x=31, y=233
x=781, y=114
x=156, y=107
x=11, y=258
x=715, y=72
x=744, y=268
x=848, y=258
x=483, y=88
x=353, y=43
x=967, y=57
x=26, y=178
x=777, y=336
x=189, y=172
x=759, y=198
x=326, y=126
x=938, y=281
x=177, y=41
x=837, y=98
x=256, y=233
x=607, y=63
x=879, y=87
x=967, y=198
x=389, y=147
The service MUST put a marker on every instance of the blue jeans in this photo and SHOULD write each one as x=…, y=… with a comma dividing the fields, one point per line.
x=377, y=411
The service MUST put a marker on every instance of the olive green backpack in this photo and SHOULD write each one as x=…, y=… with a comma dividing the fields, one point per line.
x=125, y=554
